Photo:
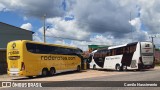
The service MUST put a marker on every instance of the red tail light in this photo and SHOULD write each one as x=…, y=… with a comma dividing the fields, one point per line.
x=22, y=66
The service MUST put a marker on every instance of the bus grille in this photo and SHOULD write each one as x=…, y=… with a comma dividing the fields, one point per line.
x=133, y=64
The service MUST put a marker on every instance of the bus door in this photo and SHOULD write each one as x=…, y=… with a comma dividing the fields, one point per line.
x=108, y=62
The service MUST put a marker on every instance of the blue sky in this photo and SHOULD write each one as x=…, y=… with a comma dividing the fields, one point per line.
x=17, y=20
x=85, y=22
x=11, y=18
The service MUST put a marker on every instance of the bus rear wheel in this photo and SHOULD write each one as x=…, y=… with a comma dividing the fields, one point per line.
x=78, y=69
x=30, y=76
x=124, y=68
x=94, y=67
x=118, y=68
x=52, y=71
x=44, y=72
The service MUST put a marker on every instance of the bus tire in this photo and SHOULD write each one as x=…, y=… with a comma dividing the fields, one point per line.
x=94, y=67
x=118, y=68
x=124, y=68
x=78, y=68
x=140, y=67
x=30, y=76
x=52, y=71
x=44, y=72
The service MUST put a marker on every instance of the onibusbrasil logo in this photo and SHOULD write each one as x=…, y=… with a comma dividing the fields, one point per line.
x=21, y=84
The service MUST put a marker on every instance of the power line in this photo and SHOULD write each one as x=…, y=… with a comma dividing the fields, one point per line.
x=71, y=39
x=154, y=36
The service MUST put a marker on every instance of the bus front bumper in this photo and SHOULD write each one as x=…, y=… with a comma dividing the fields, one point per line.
x=14, y=74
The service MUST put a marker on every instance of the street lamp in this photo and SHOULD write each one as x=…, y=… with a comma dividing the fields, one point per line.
x=154, y=36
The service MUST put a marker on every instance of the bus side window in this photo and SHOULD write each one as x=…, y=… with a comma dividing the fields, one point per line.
x=123, y=50
x=60, y=50
x=100, y=53
x=132, y=49
x=118, y=51
x=41, y=49
x=111, y=53
x=115, y=51
x=108, y=51
x=31, y=47
x=52, y=51
x=127, y=49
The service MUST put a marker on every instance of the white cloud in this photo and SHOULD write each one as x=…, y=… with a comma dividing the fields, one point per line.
x=36, y=8
x=37, y=37
x=65, y=29
x=101, y=40
x=136, y=22
x=1, y=7
x=150, y=14
x=96, y=40
x=27, y=26
x=105, y=17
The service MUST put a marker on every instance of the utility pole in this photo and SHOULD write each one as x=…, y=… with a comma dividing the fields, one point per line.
x=44, y=28
x=131, y=27
x=152, y=38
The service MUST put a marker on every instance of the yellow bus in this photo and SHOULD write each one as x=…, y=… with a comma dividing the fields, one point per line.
x=29, y=58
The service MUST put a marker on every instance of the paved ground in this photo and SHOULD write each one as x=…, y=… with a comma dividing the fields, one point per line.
x=67, y=76
x=95, y=75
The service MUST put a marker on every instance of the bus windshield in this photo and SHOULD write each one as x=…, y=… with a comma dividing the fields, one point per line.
x=146, y=48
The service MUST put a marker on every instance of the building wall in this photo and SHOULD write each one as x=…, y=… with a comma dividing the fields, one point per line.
x=3, y=62
x=157, y=57
x=9, y=33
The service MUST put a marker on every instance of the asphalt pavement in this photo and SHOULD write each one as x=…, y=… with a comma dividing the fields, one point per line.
x=101, y=82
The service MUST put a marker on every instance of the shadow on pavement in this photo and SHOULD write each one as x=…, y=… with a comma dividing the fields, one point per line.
x=59, y=74
x=109, y=70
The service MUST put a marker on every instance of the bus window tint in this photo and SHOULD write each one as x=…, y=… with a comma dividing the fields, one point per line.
x=46, y=49
x=31, y=47
x=132, y=48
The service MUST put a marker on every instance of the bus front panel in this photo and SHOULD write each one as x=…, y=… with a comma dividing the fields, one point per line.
x=14, y=58
x=147, y=53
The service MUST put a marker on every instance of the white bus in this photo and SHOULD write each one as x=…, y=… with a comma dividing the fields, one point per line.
x=138, y=55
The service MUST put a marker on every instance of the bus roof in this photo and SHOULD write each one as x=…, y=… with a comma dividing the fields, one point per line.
x=117, y=46
x=58, y=45
x=112, y=47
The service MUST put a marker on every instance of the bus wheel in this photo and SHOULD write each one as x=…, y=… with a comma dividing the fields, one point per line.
x=44, y=72
x=118, y=68
x=78, y=68
x=124, y=68
x=94, y=67
x=52, y=71
x=30, y=76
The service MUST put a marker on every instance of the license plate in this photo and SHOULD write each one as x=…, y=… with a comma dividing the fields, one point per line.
x=14, y=74
x=14, y=70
